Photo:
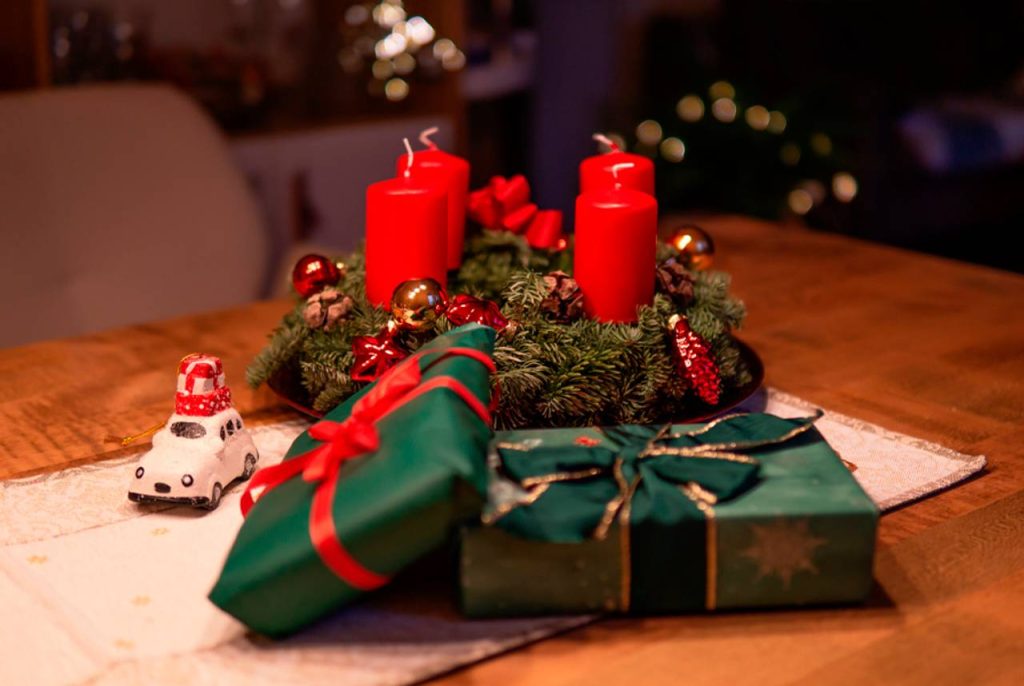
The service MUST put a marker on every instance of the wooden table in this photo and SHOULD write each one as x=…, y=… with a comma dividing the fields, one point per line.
x=920, y=345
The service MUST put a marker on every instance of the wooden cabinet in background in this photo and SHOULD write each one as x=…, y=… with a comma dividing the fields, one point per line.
x=24, y=44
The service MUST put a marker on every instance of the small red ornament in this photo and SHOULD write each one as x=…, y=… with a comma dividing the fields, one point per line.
x=694, y=361
x=464, y=309
x=376, y=354
x=313, y=273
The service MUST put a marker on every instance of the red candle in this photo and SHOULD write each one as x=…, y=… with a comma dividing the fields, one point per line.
x=451, y=172
x=596, y=171
x=406, y=234
x=616, y=240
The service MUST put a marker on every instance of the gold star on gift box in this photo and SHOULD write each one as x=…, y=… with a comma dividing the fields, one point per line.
x=783, y=548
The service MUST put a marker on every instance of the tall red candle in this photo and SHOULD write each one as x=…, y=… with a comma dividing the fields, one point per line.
x=451, y=172
x=596, y=171
x=616, y=240
x=406, y=234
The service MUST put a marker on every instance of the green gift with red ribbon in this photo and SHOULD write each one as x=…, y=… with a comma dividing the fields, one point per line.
x=379, y=482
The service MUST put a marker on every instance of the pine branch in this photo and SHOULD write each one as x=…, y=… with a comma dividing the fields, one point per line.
x=549, y=374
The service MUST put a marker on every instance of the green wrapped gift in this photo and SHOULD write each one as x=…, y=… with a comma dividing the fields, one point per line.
x=750, y=510
x=379, y=482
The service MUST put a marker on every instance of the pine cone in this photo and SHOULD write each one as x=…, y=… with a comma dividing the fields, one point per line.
x=564, y=301
x=327, y=308
x=675, y=282
x=694, y=361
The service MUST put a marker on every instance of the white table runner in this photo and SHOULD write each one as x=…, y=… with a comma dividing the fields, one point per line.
x=96, y=589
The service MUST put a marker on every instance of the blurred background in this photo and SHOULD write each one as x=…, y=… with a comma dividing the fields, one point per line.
x=894, y=122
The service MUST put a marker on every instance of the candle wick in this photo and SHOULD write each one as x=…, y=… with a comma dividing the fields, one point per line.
x=615, y=172
x=612, y=145
x=409, y=156
x=425, y=137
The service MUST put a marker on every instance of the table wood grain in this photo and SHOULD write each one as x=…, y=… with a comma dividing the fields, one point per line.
x=918, y=344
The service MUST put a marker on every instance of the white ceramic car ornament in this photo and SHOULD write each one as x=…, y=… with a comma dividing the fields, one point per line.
x=202, y=449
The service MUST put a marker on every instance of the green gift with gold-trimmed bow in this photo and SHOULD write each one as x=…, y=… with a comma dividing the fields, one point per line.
x=747, y=511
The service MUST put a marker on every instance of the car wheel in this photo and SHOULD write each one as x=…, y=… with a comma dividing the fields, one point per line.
x=215, y=497
x=250, y=466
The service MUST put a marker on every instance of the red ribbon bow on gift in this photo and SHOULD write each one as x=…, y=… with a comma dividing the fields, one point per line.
x=354, y=437
x=505, y=204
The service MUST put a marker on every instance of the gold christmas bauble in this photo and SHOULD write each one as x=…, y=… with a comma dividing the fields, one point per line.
x=416, y=304
x=696, y=249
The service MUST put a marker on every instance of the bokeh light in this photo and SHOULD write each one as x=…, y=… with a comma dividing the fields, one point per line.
x=356, y=15
x=757, y=117
x=776, y=122
x=390, y=45
x=815, y=188
x=454, y=61
x=844, y=187
x=721, y=89
x=821, y=144
x=419, y=31
x=673, y=149
x=724, y=110
x=383, y=69
x=443, y=48
x=800, y=201
x=790, y=154
x=648, y=132
x=404, y=63
x=396, y=89
x=387, y=14
x=690, y=108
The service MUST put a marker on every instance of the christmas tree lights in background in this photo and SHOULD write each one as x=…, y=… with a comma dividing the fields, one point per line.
x=791, y=168
x=395, y=46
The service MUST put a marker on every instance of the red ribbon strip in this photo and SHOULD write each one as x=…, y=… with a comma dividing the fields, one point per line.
x=505, y=204
x=356, y=436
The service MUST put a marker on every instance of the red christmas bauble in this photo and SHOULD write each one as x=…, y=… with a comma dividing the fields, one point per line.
x=313, y=273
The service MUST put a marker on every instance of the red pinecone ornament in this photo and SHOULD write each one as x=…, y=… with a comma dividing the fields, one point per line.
x=694, y=361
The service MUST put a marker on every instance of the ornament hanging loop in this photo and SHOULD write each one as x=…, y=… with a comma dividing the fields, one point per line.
x=425, y=135
x=605, y=140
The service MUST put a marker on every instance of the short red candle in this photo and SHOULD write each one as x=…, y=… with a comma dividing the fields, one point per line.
x=616, y=240
x=596, y=172
x=406, y=235
x=451, y=172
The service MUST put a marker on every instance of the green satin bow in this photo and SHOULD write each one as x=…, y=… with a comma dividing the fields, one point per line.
x=634, y=474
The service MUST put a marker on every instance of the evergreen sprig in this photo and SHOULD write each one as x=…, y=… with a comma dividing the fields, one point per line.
x=549, y=374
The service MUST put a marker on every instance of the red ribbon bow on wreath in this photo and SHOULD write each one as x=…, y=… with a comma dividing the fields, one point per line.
x=354, y=437
x=505, y=204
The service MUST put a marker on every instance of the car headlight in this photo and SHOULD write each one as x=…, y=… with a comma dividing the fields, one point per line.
x=139, y=472
x=187, y=480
